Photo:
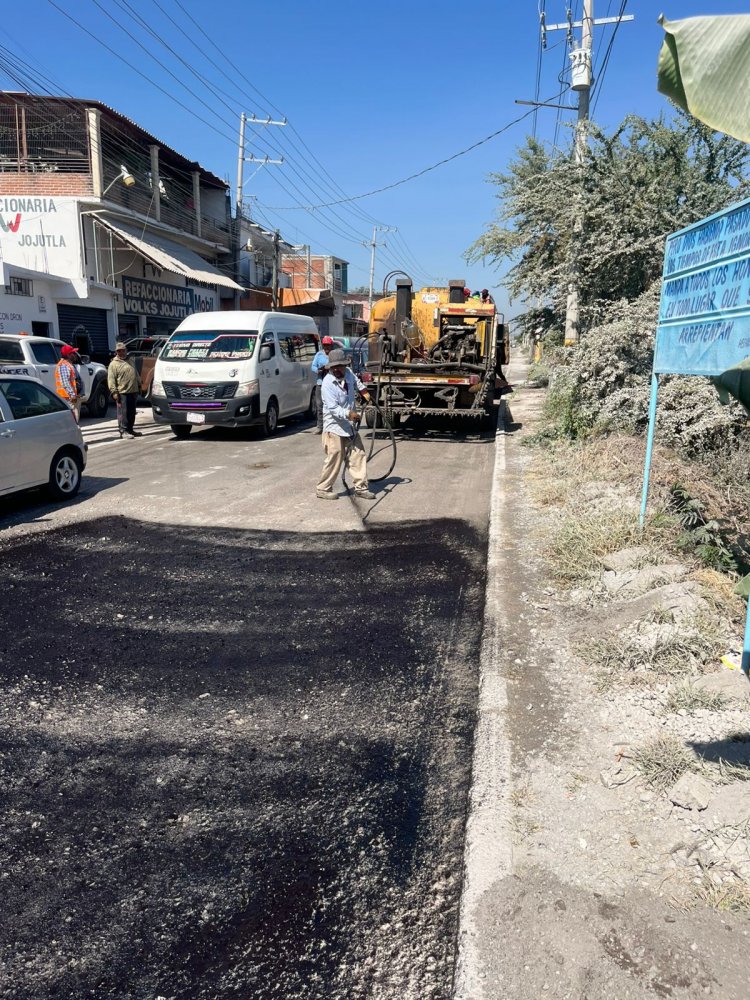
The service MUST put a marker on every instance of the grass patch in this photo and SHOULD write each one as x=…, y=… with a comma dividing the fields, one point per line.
x=663, y=760
x=686, y=697
x=732, y=897
x=582, y=537
x=656, y=650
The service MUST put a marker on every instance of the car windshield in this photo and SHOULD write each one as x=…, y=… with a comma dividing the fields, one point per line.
x=10, y=350
x=210, y=346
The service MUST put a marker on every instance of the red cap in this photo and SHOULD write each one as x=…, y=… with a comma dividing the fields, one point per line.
x=66, y=350
x=327, y=340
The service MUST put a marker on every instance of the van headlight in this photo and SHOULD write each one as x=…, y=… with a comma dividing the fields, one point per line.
x=249, y=388
x=157, y=388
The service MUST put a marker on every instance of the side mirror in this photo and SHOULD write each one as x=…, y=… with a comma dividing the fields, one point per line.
x=85, y=359
x=266, y=353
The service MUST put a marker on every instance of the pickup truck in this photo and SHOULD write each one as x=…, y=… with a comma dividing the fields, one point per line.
x=36, y=357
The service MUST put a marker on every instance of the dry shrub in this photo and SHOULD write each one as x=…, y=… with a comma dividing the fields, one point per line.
x=663, y=760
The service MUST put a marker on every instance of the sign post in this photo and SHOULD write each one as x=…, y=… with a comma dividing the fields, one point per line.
x=704, y=314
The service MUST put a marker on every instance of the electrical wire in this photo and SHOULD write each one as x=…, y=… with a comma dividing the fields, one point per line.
x=425, y=170
x=596, y=90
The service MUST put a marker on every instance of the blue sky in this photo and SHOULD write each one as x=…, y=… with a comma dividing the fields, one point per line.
x=376, y=91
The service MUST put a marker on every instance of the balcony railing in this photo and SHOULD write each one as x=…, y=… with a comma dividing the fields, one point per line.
x=179, y=217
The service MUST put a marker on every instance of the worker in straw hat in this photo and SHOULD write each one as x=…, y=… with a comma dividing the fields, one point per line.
x=341, y=441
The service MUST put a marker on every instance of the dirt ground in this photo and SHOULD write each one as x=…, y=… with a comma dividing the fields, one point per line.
x=618, y=887
x=235, y=763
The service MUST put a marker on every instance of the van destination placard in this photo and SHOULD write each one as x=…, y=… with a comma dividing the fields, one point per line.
x=704, y=313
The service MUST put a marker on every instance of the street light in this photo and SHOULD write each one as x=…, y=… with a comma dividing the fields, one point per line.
x=124, y=175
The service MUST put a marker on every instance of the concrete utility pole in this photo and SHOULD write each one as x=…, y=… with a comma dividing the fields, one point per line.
x=275, y=299
x=241, y=159
x=373, y=245
x=581, y=83
x=581, y=70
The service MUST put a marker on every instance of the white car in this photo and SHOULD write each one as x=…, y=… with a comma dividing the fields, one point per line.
x=40, y=442
x=37, y=357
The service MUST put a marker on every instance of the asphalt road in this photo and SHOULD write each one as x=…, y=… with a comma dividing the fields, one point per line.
x=236, y=721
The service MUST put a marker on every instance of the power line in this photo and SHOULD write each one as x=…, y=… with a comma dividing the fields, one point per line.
x=597, y=88
x=433, y=166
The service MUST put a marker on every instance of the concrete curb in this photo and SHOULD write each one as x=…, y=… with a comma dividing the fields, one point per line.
x=487, y=851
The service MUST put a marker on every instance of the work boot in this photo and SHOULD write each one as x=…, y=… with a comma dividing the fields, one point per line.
x=364, y=494
x=136, y=434
x=326, y=495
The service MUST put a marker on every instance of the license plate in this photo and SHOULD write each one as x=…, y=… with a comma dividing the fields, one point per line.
x=196, y=418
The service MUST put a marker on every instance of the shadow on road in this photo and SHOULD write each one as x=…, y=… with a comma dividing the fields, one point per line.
x=34, y=505
x=235, y=763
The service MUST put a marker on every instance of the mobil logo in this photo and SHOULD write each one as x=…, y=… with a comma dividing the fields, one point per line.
x=11, y=227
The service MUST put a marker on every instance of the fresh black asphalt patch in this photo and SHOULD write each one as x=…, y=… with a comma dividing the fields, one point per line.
x=235, y=763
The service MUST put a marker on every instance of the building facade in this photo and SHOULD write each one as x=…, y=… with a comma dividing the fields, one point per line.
x=105, y=232
x=316, y=273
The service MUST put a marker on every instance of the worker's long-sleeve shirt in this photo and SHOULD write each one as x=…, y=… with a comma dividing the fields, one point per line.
x=319, y=362
x=65, y=381
x=122, y=377
x=338, y=402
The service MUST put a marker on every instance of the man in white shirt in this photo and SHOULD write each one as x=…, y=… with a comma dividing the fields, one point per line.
x=341, y=441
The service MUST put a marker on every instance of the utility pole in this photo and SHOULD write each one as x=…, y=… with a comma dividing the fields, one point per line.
x=581, y=84
x=373, y=246
x=241, y=160
x=238, y=206
x=581, y=71
x=275, y=299
x=309, y=267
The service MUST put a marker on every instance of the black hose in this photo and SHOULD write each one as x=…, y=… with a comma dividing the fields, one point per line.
x=387, y=426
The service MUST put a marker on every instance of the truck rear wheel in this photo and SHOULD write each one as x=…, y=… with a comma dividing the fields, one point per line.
x=98, y=402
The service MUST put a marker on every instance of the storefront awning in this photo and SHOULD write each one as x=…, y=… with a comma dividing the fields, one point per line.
x=169, y=256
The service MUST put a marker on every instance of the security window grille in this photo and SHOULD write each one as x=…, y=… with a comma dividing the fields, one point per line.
x=20, y=286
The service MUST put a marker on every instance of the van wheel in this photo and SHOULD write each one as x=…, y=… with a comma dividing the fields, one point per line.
x=271, y=420
x=64, y=475
x=98, y=402
x=181, y=430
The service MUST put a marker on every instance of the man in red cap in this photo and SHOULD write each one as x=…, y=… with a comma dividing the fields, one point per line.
x=319, y=368
x=67, y=380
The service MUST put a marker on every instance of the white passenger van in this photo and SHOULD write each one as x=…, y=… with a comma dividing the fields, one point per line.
x=233, y=369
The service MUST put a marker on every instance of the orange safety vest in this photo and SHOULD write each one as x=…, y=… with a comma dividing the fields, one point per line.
x=68, y=393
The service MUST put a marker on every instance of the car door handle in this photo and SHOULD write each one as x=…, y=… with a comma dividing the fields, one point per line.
x=7, y=434
x=44, y=370
x=277, y=371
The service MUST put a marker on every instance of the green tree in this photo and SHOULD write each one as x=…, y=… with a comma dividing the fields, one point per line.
x=645, y=180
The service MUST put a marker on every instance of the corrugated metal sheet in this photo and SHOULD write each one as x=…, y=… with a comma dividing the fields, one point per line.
x=170, y=256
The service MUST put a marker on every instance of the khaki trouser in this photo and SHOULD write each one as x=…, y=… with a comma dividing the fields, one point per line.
x=343, y=451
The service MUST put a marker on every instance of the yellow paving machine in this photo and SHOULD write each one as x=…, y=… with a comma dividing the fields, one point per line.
x=435, y=352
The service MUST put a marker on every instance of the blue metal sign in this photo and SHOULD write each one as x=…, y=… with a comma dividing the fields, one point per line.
x=704, y=314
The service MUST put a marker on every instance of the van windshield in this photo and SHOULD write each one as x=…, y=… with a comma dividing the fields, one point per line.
x=210, y=346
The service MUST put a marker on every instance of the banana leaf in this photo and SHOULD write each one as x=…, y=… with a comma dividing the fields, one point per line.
x=734, y=382
x=704, y=67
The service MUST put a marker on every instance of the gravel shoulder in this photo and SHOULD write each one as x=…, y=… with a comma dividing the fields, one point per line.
x=618, y=887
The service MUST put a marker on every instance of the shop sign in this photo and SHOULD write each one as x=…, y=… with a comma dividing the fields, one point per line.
x=142, y=297
x=155, y=298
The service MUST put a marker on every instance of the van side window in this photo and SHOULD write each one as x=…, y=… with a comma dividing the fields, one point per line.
x=286, y=346
x=268, y=342
x=307, y=347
